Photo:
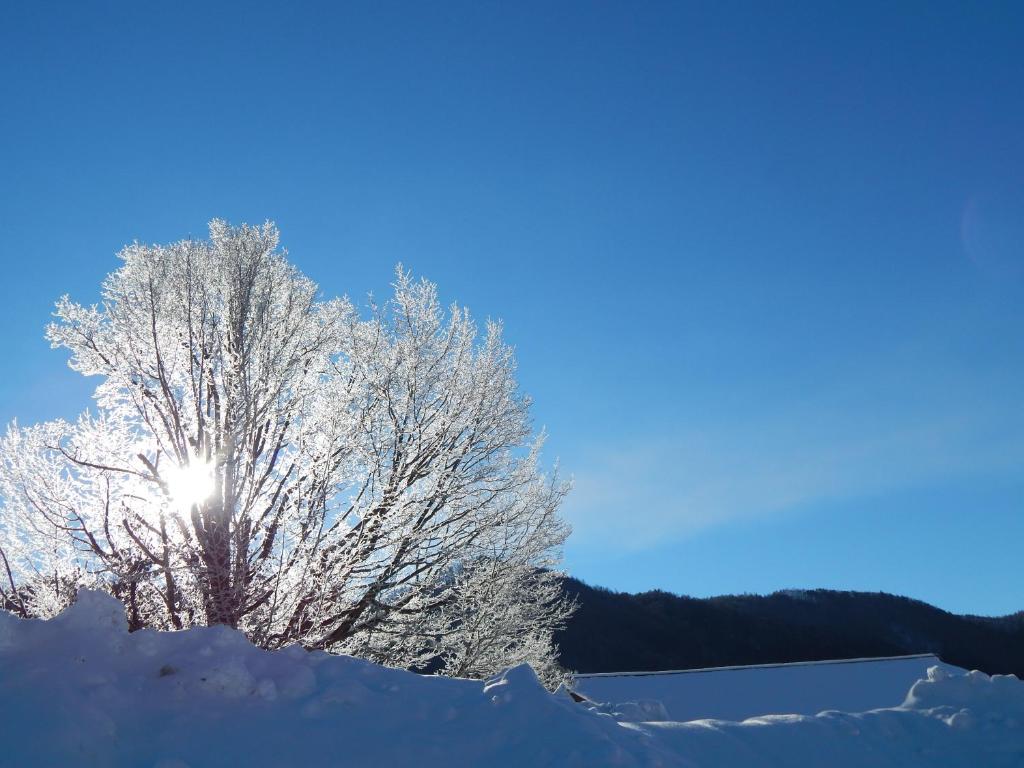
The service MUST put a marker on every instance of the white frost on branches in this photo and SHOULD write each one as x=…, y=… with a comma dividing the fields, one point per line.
x=268, y=460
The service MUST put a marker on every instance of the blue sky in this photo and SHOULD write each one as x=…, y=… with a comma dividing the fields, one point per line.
x=763, y=266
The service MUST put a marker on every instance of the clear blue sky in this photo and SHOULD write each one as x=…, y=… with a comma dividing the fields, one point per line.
x=763, y=263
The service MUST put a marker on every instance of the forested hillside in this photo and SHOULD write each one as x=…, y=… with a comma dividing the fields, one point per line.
x=614, y=631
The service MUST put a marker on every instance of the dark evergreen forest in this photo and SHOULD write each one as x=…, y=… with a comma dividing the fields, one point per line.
x=616, y=632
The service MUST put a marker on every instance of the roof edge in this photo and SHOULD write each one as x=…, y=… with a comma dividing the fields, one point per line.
x=865, y=660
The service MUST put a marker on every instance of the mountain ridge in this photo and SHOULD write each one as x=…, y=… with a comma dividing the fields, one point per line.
x=657, y=630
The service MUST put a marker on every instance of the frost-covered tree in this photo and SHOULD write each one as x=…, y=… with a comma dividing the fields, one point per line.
x=262, y=458
x=504, y=616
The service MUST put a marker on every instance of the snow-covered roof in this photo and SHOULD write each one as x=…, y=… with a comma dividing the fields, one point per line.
x=736, y=693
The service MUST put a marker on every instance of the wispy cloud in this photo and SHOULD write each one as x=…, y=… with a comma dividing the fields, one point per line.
x=638, y=493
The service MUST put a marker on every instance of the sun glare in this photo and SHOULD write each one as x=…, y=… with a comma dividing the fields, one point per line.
x=191, y=484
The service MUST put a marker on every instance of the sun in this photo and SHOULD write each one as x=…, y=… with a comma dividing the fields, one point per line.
x=190, y=484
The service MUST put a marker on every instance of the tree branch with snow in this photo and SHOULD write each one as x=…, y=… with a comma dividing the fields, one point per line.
x=263, y=458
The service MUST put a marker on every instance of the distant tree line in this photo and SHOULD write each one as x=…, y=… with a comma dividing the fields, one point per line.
x=614, y=631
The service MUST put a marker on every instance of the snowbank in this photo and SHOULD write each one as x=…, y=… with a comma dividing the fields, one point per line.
x=80, y=691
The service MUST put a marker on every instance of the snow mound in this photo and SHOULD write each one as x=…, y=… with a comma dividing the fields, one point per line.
x=80, y=690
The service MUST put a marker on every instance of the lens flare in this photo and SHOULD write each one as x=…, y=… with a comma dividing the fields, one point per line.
x=190, y=484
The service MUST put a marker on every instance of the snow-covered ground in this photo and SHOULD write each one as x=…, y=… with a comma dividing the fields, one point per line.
x=737, y=693
x=79, y=690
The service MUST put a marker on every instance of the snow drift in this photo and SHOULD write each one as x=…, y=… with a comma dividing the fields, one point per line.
x=79, y=690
